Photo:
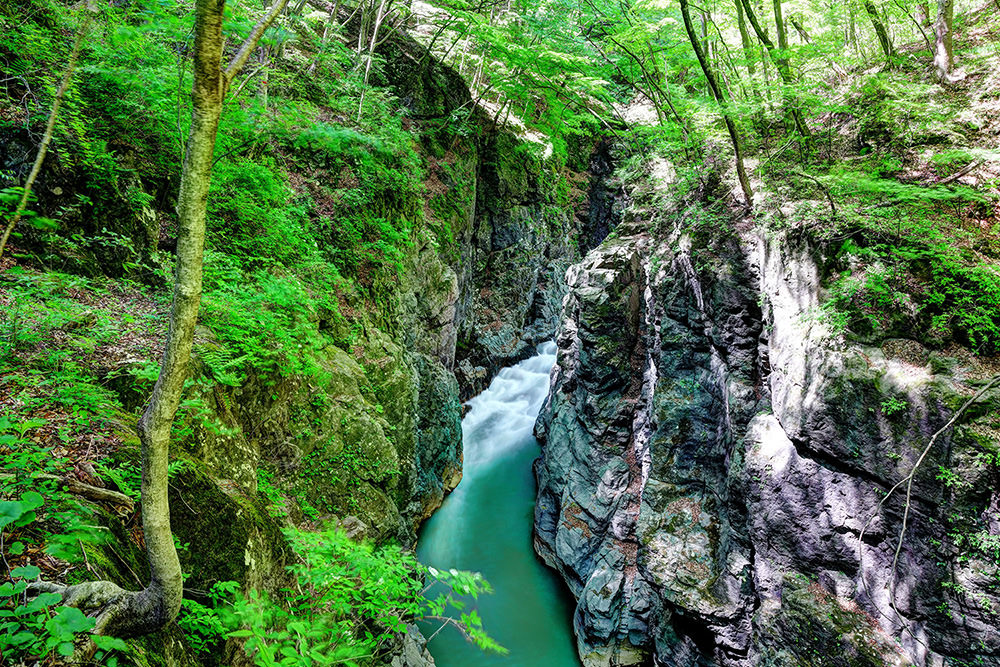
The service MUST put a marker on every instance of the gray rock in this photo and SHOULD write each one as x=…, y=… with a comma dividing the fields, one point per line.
x=713, y=452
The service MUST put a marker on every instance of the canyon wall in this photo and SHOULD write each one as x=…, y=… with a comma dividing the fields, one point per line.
x=714, y=457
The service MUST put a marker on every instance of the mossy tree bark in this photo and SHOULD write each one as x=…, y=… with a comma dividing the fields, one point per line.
x=779, y=22
x=720, y=97
x=129, y=613
x=799, y=28
x=943, y=39
x=744, y=37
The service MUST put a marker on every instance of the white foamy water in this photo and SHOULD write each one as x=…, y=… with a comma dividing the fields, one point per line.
x=501, y=418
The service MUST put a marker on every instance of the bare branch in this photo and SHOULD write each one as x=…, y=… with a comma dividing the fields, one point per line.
x=908, y=481
x=79, y=488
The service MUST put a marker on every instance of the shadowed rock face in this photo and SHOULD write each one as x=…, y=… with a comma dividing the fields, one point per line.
x=712, y=454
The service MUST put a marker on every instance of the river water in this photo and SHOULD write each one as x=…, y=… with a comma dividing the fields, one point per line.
x=485, y=525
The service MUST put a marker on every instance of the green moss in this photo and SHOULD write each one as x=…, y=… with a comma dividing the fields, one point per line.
x=517, y=169
x=818, y=630
x=225, y=535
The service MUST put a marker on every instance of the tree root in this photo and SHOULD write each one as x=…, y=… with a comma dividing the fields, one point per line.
x=118, y=612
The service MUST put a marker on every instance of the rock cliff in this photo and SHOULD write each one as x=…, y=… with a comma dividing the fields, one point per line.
x=715, y=454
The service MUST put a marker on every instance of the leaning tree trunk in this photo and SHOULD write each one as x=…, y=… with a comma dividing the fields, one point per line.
x=943, y=40
x=780, y=59
x=799, y=28
x=126, y=613
x=883, y=37
x=713, y=84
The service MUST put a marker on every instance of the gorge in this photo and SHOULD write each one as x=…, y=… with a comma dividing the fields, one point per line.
x=684, y=341
x=485, y=525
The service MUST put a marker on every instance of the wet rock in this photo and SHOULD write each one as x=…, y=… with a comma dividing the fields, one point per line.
x=413, y=652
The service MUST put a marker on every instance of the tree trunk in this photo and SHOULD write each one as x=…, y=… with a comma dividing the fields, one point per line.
x=943, y=40
x=780, y=59
x=852, y=28
x=780, y=23
x=883, y=37
x=125, y=613
x=380, y=15
x=713, y=85
x=744, y=37
x=924, y=13
x=799, y=28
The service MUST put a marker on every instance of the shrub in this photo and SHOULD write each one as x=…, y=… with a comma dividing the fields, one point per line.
x=349, y=604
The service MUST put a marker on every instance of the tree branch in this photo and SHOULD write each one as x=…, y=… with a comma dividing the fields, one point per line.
x=250, y=43
x=908, y=481
x=49, y=128
x=79, y=488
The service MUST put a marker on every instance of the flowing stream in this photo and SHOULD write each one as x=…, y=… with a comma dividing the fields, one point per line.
x=485, y=525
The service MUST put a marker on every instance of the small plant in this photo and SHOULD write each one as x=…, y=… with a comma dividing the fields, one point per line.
x=35, y=626
x=951, y=478
x=205, y=626
x=350, y=602
x=893, y=405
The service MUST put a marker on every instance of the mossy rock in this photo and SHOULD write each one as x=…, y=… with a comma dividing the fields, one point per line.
x=166, y=648
x=813, y=628
x=225, y=534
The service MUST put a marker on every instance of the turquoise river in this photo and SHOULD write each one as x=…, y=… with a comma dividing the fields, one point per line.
x=485, y=525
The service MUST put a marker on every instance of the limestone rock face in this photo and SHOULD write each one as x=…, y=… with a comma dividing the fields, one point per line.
x=712, y=454
x=519, y=246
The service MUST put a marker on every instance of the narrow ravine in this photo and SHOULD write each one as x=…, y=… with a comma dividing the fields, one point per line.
x=485, y=525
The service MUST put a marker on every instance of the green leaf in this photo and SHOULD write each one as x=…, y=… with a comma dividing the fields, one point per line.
x=69, y=620
x=26, y=572
x=20, y=638
x=106, y=643
x=10, y=511
x=40, y=222
x=32, y=500
x=237, y=634
x=7, y=589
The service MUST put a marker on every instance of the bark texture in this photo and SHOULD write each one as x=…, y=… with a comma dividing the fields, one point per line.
x=779, y=22
x=943, y=39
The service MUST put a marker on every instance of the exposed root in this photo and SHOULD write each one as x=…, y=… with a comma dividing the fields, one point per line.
x=89, y=596
x=118, y=612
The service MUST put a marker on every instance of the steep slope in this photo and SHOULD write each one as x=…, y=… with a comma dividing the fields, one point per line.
x=323, y=392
